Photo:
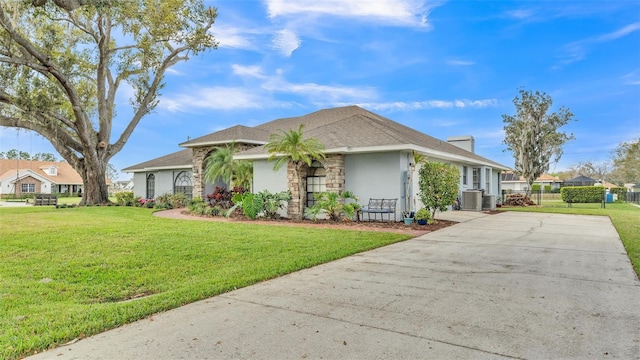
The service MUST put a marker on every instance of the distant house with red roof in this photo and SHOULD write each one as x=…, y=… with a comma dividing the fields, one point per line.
x=511, y=181
x=23, y=177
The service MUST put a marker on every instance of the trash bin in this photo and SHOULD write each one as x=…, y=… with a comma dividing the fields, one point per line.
x=609, y=198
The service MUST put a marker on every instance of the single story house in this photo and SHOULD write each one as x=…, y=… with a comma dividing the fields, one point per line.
x=24, y=177
x=511, y=181
x=580, y=181
x=366, y=153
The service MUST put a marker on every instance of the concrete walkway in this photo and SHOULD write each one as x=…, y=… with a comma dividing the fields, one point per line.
x=507, y=286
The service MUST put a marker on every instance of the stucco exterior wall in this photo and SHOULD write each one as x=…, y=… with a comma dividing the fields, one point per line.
x=376, y=175
x=139, y=184
x=264, y=178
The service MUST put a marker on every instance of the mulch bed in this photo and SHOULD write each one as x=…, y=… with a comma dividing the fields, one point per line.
x=387, y=226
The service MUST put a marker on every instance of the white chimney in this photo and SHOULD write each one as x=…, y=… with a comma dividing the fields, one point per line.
x=465, y=142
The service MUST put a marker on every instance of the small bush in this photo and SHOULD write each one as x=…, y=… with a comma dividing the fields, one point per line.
x=423, y=214
x=334, y=205
x=220, y=197
x=171, y=201
x=547, y=188
x=125, y=198
x=535, y=187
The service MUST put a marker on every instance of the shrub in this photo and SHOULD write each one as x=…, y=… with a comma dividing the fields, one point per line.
x=125, y=198
x=621, y=192
x=334, y=205
x=197, y=206
x=220, y=197
x=547, y=188
x=438, y=184
x=148, y=203
x=582, y=194
x=423, y=214
x=264, y=203
x=535, y=187
x=171, y=201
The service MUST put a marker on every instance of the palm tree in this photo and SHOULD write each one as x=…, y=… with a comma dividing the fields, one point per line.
x=289, y=146
x=221, y=165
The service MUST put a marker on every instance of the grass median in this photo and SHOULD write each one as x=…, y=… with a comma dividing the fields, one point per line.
x=624, y=216
x=70, y=273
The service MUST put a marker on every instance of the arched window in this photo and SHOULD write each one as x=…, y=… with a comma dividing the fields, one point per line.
x=151, y=186
x=316, y=181
x=182, y=184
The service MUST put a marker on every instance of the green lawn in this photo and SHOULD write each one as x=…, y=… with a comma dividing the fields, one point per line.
x=74, y=272
x=625, y=218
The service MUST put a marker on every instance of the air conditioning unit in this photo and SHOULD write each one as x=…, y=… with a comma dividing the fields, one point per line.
x=472, y=200
x=489, y=202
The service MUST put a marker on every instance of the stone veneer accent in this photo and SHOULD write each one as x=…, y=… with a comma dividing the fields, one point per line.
x=199, y=155
x=334, y=168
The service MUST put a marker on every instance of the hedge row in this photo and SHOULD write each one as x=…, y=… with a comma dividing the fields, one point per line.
x=582, y=194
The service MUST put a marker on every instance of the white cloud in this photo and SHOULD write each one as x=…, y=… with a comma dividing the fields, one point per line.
x=220, y=98
x=520, y=14
x=172, y=71
x=322, y=93
x=632, y=78
x=389, y=12
x=234, y=37
x=286, y=42
x=248, y=71
x=460, y=62
x=619, y=33
x=431, y=104
x=577, y=50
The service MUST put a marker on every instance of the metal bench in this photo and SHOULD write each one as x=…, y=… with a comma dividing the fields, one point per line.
x=380, y=206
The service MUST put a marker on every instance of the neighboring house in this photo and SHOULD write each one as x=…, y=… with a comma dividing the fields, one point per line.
x=367, y=154
x=580, y=181
x=123, y=185
x=23, y=177
x=511, y=181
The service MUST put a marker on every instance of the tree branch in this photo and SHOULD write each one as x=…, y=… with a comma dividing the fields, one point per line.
x=83, y=124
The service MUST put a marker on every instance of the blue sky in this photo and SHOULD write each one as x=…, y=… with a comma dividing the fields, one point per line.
x=444, y=68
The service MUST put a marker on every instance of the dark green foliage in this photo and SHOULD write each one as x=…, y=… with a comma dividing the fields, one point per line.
x=334, y=205
x=621, y=192
x=264, y=204
x=582, y=194
x=125, y=198
x=171, y=201
x=438, y=185
x=423, y=214
x=198, y=207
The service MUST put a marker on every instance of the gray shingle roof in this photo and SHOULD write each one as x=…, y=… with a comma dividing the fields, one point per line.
x=238, y=133
x=355, y=127
x=181, y=158
x=349, y=127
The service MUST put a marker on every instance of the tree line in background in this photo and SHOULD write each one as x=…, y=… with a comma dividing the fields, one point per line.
x=15, y=154
x=533, y=136
x=622, y=168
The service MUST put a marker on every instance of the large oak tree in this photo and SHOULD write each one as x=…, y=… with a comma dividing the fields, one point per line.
x=533, y=136
x=63, y=62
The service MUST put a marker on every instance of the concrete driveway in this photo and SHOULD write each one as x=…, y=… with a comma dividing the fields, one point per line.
x=512, y=286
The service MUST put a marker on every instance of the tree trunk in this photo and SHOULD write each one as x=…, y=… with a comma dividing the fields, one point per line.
x=95, y=190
